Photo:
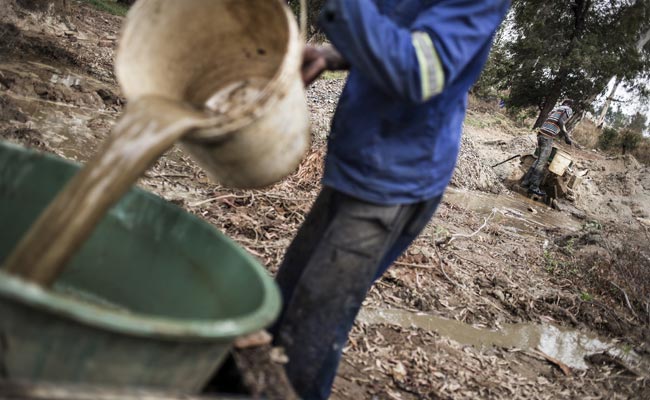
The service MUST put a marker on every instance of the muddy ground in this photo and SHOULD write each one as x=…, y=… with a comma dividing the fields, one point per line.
x=491, y=260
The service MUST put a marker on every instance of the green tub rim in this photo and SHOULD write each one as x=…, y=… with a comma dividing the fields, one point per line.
x=138, y=324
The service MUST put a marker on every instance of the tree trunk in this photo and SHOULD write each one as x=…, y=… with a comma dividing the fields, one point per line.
x=608, y=102
x=645, y=38
x=579, y=113
x=313, y=13
x=314, y=8
x=546, y=109
x=577, y=118
x=551, y=100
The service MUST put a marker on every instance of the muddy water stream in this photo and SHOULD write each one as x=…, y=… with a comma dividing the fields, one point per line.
x=569, y=346
x=514, y=211
x=150, y=127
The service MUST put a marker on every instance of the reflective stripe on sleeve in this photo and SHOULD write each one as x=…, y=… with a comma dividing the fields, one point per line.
x=431, y=72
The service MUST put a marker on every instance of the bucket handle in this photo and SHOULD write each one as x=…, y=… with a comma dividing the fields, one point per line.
x=303, y=19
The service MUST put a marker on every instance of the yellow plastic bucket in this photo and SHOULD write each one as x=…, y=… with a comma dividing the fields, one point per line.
x=561, y=161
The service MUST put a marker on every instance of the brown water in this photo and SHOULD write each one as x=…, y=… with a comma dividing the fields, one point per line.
x=149, y=128
x=569, y=346
x=516, y=212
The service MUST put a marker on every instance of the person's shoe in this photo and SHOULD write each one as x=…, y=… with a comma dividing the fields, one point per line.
x=536, y=191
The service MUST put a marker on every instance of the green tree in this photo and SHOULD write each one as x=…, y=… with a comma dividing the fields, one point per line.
x=638, y=123
x=630, y=140
x=608, y=138
x=616, y=118
x=630, y=136
x=571, y=49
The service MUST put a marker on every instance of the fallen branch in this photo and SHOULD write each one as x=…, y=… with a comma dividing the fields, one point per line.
x=286, y=198
x=466, y=259
x=213, y=199
x=485, y=223
x=442, y=268
x=171, y=176
x=565, y=368
x=627, y=299
x=420, y=266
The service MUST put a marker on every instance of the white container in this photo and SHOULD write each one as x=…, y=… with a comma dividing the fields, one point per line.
x=561, y=161
x=240, y=58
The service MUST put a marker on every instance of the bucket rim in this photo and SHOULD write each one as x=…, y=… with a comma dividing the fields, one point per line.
x=563, y=153
x=139, y=324
x=269, y=95
x=214, y=127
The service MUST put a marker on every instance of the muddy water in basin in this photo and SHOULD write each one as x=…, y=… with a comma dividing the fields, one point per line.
x=569, y=346
x=520, y=214
x=149, y=128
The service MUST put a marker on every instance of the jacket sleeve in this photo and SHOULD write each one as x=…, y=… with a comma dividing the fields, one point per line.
x=417, y=62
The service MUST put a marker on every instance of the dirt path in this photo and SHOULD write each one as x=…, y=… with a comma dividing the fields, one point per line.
x=489, y=259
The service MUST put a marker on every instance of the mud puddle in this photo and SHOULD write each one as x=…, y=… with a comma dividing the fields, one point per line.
x=519, y=214
x=569, y=346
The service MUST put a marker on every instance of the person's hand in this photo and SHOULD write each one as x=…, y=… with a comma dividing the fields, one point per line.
x=313, y=64
x=318, y=59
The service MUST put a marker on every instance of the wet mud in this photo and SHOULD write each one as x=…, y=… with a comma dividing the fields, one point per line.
x=519, y=213
x=569, y=346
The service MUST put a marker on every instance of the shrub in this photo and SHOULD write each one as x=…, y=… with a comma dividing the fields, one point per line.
x=608, y=138
x=630, y=140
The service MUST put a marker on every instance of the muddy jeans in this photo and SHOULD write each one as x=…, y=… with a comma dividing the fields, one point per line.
x=535, y=174
x=343, y=246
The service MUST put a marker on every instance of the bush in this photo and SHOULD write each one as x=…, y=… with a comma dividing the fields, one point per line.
x=642, y=152
x=630, y=140
x=608, y=139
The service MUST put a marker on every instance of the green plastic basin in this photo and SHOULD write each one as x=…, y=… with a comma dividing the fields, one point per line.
x=154, y=298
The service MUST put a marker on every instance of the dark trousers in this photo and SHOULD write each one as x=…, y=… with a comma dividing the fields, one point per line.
x=535, y=174
x=343, y=246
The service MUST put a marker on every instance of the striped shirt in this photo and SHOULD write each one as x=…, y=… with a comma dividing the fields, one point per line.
x=555, y=119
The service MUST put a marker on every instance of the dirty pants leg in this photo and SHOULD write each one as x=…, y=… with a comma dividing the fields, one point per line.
x=326, y=274
x=535, y=174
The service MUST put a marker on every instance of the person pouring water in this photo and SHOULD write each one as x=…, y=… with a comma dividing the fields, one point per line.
x=392, y=150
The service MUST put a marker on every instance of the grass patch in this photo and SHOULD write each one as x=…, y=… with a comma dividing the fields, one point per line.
x=334, y=75
x=109, y=6
x=475, y=121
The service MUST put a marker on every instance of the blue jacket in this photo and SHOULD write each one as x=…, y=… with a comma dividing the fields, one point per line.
x=396, y=132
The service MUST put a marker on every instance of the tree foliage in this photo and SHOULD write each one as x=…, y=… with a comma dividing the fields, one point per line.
x=630, y=140
x=608, y=138
x=638, y=123
x=628, y=137
x=560, y=48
